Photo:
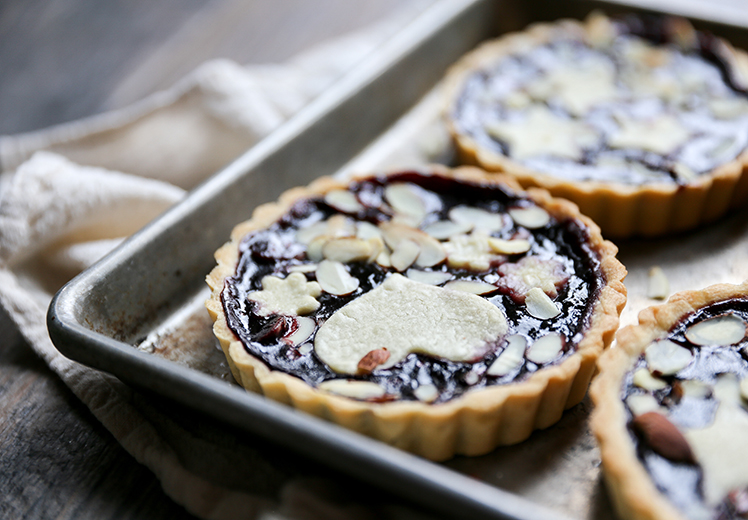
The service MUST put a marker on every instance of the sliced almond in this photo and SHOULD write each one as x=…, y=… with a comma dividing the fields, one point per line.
x=470, y=286
x=432, y=252
x=372, y=360
x=427, y=393
x=404, y=199
x=546, y=349
x=341, y=226
x=658, y=286
x=509, y=247
x=511, y=358
x=443, y=229
x=540, y=305
x=361, y=390
x=643, y=378
x=304, y=329
x=695, y=388
x=477, y=218
x=470, y=252
x=471, y=378
x=428, y=277
x=642, y=403
x=377, y=247
x=307, y=234
x=667, y=358
x=314, y=248
x=346, y=250
x=532, y=217
x=384, y=258
x=405, y=254
x=726, y=329
x=302, y=268
x=334, y=278
x=366, y=230
x=343, y=200
x=663, y=437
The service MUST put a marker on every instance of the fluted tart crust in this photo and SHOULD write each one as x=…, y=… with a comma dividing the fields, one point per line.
x=441, y=311
x=642, y=122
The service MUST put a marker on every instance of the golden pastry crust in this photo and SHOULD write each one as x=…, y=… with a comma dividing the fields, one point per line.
x=620, y=209
x=472, y=424
x=633, y=493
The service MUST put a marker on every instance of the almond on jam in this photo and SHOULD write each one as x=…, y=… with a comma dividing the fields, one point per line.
x=401, y=301
x=641, y=121
x=672, y=409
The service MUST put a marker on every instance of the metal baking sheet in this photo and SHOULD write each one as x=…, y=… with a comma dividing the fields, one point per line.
x=139, y=312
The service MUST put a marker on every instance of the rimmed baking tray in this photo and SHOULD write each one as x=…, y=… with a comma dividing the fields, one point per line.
x=150, y=290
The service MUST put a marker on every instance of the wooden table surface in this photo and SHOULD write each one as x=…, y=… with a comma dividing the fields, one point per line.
x=61, y=60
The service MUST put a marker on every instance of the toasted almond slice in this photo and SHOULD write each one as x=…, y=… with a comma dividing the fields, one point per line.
x=341, y=226
x=384, y=259
x=470, y=286
x=643, y=378
x=443, y=229
x=314, y=248
x=663, y=437
x=727, y=329
x=304, y=329
x=404, y=199
x=545, y=349
x=640, y=404
x=377, y=246
x=432, y=252
x=405, y=254
x=428, y=277
x=307, y=234
x=531, y=217
x=666, y=358
x=540, y=305
x=366, y=230
x=427, y=393
x=395, y=232
x=343, y=200
x=509, y=247
x=695, y=388
x=471, y=378
x=477, y=218
x=302, y=268
x=346, y=250
x=352, y=388
x=658, y=286
x=511, y=358
x=334, y=278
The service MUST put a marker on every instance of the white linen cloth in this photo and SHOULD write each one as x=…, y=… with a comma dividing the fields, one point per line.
x=69, y=194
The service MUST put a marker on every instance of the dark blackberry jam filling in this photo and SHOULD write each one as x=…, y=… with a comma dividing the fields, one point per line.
x=687, y=90
x=275, y=250
x=681, y=482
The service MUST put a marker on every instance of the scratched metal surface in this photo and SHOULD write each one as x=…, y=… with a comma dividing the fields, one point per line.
x=559, y=467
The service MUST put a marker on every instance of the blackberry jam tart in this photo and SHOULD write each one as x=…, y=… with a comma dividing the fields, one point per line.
x=641, y=121
x=671, y=412
x=443, y=311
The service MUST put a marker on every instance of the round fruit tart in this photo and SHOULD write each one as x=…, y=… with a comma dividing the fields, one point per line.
x=641, y=121
x=444, y=312
x=671, y=412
